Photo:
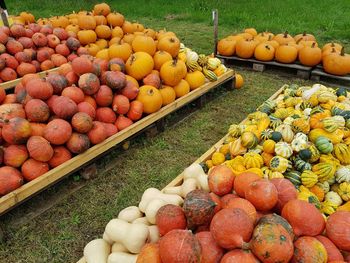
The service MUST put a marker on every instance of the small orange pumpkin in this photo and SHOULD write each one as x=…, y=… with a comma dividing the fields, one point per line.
x=115, y=19
x=284, y=38
x=128, y=28
x=86, y=22
x=151, y=99
x=195, y=79
x=102, y=9
x=245, y=48
x=251, y=31
x=304, y=36
x=182, y=88
x=122, y=51
x=87, y=36
x=168, y=95
x=264, y=52
x=337, y=64
x=310, y=56
x=332, y=45
x=100, y=20
x=139, y=65
x=160, y=57
x=172, y=72
x=286, y=54
x=103, y=31
x=144, y=43
x=170, y=44
x=226, y=47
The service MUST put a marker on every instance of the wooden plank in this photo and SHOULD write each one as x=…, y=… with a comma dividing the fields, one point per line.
x=178, y=179
x=320, y=72
x=12, y=83
x=27, y=190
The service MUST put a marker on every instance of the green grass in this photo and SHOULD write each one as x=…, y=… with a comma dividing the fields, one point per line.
x=60, y=233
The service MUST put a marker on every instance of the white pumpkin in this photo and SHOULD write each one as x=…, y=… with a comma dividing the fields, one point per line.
x=283, y=149
x=299, y=143
x=288, y=120
x=191, y=56
x=342, y=174
x=334, y=198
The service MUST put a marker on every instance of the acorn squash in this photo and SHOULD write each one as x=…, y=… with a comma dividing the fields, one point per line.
x=301, y=125
x=279, y=164
x=252, y=160
x=286, y=131
x=249, y=139
x=304, y=154
x=301, y=165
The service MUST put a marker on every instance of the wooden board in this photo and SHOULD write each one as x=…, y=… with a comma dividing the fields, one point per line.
x=319, y=72
x=29, y=189
x=12, y=83
x=178, y=180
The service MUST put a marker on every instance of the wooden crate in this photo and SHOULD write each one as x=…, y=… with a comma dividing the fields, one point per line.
x=257, y=65
x=207, y=155
x=29, y=189
x=12, y=83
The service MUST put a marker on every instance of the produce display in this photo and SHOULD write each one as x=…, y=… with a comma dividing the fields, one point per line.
x=276, y=190
x=284, y=48
x=34, y=48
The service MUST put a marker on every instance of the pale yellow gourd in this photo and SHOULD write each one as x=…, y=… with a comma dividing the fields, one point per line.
x=141, y=220
x=152, y=209
x=130, y=214
x=153, y=193
x=188, y=185
x=118, y=247
x=196, y=171
x=153, y=236
x=97, y=251
x=132, y=236
x=121, y=257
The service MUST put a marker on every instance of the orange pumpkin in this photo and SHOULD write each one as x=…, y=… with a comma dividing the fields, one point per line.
x=72, y=28
x=149, y=253
x=239, y=81
x=86, y=22
x=284, y=38
x=151, y=99
x=169, y=44
x=145, y=44
x=245, y=48
x=160, y=57
x=128, y=28
x=117, y=32
x=139, y=65
x=310, y=56
x=102, y=9
x=128, y=38
x=87, y=36
x=262, y=37
x=182, y=88
x=114, y=40
x=264, y=52
x=246, y=36
x=251, y=31
x=195, y=79
x=172, y=72
x=122, y=51
x=100, y=20
x=168, y=95
x=103, y=31
x=226, y=47
x=286, y=54
x=337, y=64
x=272, y=42
x=304, y=36
x=150, y=32
x=115, y=19
x=332, y=45
x=93, y=49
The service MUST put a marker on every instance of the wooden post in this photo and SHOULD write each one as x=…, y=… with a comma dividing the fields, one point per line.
x=4, y=17
x=215, y=20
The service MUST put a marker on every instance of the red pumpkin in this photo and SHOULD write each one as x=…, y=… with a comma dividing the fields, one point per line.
x=338, y=229
x=299, y=214
x=262, y=194
x=39, y=89
x=130, y=90
x=245, y=205
x=32, y=169
x=114, y=79
x=98, y=133
x=211, y=252
x=10, y=179
x=180, y=246
x=37, y=129
x=332, y=251
x=226, y=199
x=89, y=83
x=74, y=93
x=122, y=122
x=271, y=243
x=216, y=199
x=106, y=115
x=57, y=131
x=308, y=250
x=135, y=111
x=286, y=191
x=23, y=98
x=152, y=79
x=121, y=104
x=90, y=100
x=58, y=82
x=16, y=131
x=170, y=217
x=2, y=95
x=78, y=143
x=64, y=107
x=110, y=129
x=87, y=108
x=82, y=122
x=199, y=208
x=39, y=148
x=82, y=65
x=242, y=182
x=25, y=68
x=72, y=78
x=37, y=110
x=104, y=96
x=279, y=220
x=60, y=155
x=239, y=256
x=221, y=180
x=231, y=228
x=15, y=155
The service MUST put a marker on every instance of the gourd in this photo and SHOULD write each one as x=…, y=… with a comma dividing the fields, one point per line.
x=132, y=236
x=249, y=139
x=342, y=153
x=283, y=149
x=196, y=171
x=152, y=209
x=305, y=154
x=276, y=136
x=324, y=171
x=130, y=214
x=308, y=178
x=279, y=164
x=344, y=191
x=252, y=160
x=187, y=186
x=315, y=154
x=334, y=137
x=141, y=220
x=236, y=147
x=299, y=143
x=293, y=177
x=328, y=208
x=274, y=122
x=170, y=217
x=308, y=196
x=334, y=198
x=121, y=257
x=324, y=145
x=153, y=193
x=117, y=247
x=265, y=135
x=97, y=251
x=301, y=165
x=301, y=125
x=286, y=131
x=330, y=124
x=342, y=174
x=309, y=249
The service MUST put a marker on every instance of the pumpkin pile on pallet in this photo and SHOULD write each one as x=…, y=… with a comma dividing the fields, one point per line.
x=33, y=48
x=272, y=192
x=284, y=48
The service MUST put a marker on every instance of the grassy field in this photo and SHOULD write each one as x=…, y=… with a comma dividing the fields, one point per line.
x=61, y=231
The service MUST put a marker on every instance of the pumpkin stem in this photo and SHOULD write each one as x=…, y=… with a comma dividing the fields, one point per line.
x=313, y=44
x=270, y=38
x=342, y=53
x=267, y=47
x=150, y=92
x=174, y=62
x=285, y=34
x=304, y=33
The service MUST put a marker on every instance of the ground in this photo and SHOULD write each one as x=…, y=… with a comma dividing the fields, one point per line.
x=76, y=211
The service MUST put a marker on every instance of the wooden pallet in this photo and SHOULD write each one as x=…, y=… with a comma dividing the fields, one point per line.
x=12, y=83
x=29, y=189
x=207, y=155
x=257, y=65
x=319, y=74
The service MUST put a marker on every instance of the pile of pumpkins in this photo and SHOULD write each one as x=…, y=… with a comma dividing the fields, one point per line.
x=304, y=136
x=107, y=35
x=284, y=48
